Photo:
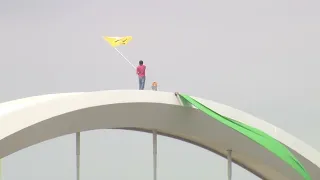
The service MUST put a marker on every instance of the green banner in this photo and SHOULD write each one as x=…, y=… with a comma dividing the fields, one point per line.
x=254, y=134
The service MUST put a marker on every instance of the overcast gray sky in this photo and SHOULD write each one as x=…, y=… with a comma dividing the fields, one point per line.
x=258, y=56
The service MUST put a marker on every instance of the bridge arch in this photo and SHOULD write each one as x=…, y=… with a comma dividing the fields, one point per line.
x=32, y=120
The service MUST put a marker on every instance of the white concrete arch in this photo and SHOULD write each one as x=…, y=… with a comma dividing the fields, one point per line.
x=29, y=121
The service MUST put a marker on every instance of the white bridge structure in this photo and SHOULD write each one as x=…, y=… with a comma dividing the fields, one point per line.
x=26, y=122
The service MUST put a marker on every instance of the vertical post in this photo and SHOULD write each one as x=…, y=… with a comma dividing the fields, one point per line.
x=229, y=164
x=0, y=169
x=154, y=155
x=78, y=154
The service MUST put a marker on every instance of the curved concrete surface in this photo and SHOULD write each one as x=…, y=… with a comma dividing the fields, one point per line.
x=29, y=121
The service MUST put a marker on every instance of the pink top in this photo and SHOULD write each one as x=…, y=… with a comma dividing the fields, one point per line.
x=141, y=70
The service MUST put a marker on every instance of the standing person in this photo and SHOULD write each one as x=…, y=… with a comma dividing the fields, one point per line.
x=141, y=72
x=154, y=86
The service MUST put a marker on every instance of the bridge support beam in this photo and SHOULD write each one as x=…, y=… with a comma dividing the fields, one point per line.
x=154, y=155
x=1, y=169
x=229, y=156
x=78, y=154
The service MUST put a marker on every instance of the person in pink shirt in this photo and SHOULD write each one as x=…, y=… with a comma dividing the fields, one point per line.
x=141, y=72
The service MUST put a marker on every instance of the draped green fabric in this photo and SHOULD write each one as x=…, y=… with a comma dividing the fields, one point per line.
x=254, y=134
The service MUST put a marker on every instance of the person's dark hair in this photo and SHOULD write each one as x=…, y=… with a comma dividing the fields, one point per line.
x=140, y=62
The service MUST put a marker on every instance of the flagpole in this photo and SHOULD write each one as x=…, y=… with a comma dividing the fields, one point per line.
x=122, y=55
x=125, y=58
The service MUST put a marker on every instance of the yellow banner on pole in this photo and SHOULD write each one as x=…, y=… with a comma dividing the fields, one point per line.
x=117, y=41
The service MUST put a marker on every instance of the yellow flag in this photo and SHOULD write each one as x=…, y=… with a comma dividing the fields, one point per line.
x=117, y=41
